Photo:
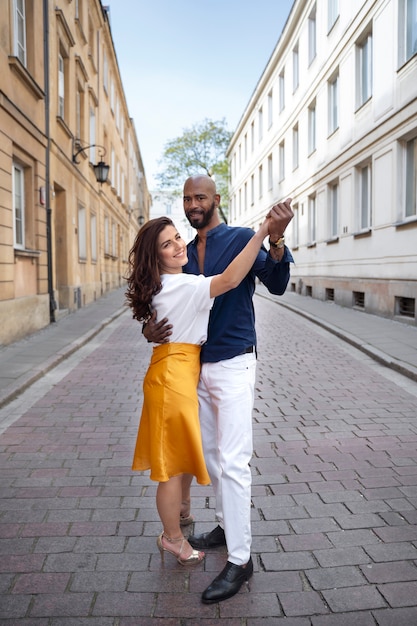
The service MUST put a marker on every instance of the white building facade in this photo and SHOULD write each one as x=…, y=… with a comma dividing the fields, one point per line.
x=332, y=123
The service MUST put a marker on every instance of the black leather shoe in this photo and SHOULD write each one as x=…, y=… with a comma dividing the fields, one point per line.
x=228, y=582
x=213, y=539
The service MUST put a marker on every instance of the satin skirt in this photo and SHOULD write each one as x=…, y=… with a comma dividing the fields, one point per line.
x=169, y=436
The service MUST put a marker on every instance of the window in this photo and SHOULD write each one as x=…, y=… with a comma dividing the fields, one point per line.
x=113, y=240
x=245, y=144
x=260, y=179
x=333, y=104
x=252, y=189
x=79, y=113
x=410, y=178
x=332, y=13
x=105, y=73
x=333, y=209
x=92, y=134
x=252, y=136
x=93, y=236
x=240, y=202
x=245, y=197
x=312, y=42
x=270, y=109
x=312, y=127
x=261, y=124
x=296, y=227
x=408, y=29
x=61, y=86
x=82, y=233
x=364, y=197
x=18, y=206
x=295, y=69
x=270, y=173
x=312, y=219
x=364, y=70
x=106, y=236
x=281, y=161
x=282, y=91
x=20, y=30
x=295, y=147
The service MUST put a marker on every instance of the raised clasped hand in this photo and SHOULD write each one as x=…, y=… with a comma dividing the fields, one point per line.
x=280, y=215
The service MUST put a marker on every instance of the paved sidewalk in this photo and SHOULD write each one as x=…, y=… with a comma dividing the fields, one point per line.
x=25, y=361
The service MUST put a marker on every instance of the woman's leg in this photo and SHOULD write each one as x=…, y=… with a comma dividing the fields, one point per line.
x=168, y=503
x=185, y=497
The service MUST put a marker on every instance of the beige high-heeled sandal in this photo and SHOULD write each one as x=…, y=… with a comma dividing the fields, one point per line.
x=194, y=558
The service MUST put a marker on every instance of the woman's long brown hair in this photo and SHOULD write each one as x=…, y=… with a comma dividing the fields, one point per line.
x=144, y=279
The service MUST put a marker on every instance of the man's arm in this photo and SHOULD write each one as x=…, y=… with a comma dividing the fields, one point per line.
x=157, y=332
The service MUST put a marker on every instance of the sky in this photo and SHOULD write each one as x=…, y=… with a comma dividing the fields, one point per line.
x=184, y=61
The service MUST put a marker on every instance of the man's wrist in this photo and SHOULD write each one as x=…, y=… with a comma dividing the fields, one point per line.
x=278, y=243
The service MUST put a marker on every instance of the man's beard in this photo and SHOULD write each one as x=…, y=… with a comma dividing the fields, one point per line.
x=202, y=221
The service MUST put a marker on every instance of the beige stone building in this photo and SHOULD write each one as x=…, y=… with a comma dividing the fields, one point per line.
x=64, y=237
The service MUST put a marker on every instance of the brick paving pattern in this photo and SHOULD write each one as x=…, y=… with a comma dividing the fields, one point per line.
x=334, y=495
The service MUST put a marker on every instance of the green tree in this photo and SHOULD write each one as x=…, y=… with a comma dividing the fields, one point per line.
x=201, y=149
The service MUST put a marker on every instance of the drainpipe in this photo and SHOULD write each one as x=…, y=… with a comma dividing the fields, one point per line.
x=52, y=303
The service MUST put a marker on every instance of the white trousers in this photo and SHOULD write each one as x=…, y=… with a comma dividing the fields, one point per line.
x=226, y=397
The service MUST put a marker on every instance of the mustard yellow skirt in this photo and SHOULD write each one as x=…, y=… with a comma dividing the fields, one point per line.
x=169, y=436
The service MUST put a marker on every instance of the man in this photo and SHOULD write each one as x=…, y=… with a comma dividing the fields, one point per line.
x=228, y=368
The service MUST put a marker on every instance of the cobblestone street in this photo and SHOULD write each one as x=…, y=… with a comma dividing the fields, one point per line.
x=334, y=492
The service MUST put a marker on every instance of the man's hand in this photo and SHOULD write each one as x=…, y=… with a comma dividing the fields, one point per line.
x=281, y=215
x=157, y=332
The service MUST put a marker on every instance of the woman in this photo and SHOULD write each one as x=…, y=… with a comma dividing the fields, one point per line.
x=169, y=438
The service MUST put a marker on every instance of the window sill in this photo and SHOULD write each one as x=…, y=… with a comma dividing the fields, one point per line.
x=18, y=67
x=313, y=244
x=332, y=240
x=407, y=223
x=23, y=252
x=367, y=232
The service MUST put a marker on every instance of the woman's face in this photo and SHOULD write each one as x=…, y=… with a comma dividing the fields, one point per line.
x=172, y=251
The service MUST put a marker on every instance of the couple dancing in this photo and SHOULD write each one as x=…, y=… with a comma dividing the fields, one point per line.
x=204, y=340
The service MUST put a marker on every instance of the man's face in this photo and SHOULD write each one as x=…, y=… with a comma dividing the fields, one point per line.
x=200, y=204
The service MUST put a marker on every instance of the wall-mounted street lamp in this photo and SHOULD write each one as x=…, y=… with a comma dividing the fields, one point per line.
x=101, y=169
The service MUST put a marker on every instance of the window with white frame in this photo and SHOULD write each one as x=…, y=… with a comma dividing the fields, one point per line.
x=261, y=181
x=296, y=227
x=282, y=91
x=295, y=68
x=411, y=178
x=245, y=197
x=332, y=13
x=20, y=31
x=92, y=134
x=312, y=218
x=106, y=236
x=105, y=73
x=240, y=156
x=270, y=109
x=312, y=36
x=365, y=196
x=61, y=86
x=18, y=206
x=408, y=29
x=333, y=87
x=281, y=152
x=333, y=209
x=295, y=142
x=82, y=233
x=312, y=127
x=364, y=69
x=270, y=173
x=260, y=124
x=245, y=145
x=113, y=239
x=93, y=236
x=252, y=136
x=252, y=189
x=240, y=201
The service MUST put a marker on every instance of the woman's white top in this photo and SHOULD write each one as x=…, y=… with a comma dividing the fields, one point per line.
x=185, y=301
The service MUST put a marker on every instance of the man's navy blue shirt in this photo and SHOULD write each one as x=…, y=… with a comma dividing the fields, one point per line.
x=232, y=319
